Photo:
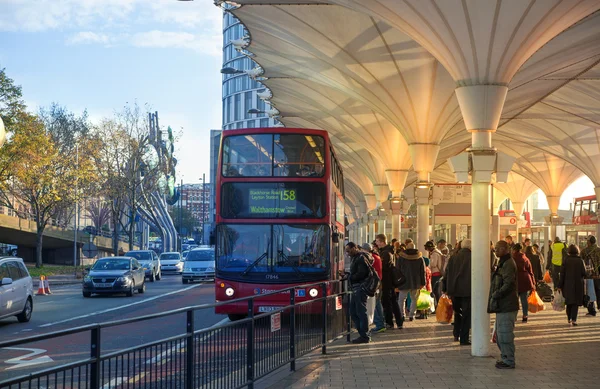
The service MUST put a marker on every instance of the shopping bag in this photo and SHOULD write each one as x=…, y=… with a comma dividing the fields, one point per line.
x=547, y=277
x=559, y=301
x=535, y=303
x=495, y=333
x=444, y=310
x=424, y=300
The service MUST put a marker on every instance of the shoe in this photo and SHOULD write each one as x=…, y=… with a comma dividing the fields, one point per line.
x=379, y=330
x=456, y=338
x=524, y=319
x=590, y=314
x=503, y=365
x=361, y=340
x=389, y=327
x=574, y=323
x=411, y=318
x=467, y=343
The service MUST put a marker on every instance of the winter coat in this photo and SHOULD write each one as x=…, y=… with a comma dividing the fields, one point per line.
x=436, y=262
x=503, y=287
x=412, y=265
x=359, y=270
x=377, y=264
x=387, y=267
x=458, y=274
x=525, y=277
x=536, y=265
x=572, y=273
x=591, y=257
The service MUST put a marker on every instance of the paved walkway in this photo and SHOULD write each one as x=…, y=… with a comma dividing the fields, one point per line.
x=550, y=354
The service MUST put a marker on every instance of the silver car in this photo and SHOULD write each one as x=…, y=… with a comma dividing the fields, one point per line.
x=16, y=289
x=171, y=262
x=199, y=265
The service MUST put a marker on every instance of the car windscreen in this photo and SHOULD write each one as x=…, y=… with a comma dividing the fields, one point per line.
x=169, y=256
x=111, y=264
x=139, y=255
x=200, y=255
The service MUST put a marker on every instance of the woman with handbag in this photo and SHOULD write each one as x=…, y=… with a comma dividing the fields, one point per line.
x=525, y=278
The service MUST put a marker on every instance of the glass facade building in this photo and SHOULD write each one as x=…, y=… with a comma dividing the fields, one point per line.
x=240, y=91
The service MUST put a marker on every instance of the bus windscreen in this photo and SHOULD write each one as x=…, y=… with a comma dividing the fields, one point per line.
x=264, y=200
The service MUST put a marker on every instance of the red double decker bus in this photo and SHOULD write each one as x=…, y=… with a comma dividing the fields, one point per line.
x=280, y=216
x=585, y=210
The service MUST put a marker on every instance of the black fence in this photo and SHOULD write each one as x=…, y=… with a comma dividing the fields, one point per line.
x=232, y=355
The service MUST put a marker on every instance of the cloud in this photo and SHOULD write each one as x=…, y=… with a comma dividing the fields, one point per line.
x=210, y=45
x=88, y=37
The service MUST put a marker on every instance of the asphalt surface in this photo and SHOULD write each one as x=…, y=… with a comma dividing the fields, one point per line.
x=66, y=308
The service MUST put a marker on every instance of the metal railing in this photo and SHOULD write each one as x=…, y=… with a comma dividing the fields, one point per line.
x=232, y=355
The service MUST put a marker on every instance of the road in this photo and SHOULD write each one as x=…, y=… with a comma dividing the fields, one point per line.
x=66, y=308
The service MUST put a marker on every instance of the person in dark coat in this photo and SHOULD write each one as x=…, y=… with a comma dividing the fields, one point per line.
x=389, y=297
x=525, y=277
x=504, y=302
x=359, y=271
x=412, y=266
x=536, y=262
x=572, y=274
x=458, y=286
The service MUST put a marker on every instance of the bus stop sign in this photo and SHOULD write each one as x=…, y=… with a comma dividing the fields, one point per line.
x=90, y=250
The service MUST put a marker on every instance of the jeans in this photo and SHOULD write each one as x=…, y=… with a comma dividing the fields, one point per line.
x=391, y=309
x=414, y=296
x=555, y=273
x=572, y=310
x=524, y=303
x=378, y=317
x=462, y=318
x=436, y=288
x=358, y=311
x=505, y=332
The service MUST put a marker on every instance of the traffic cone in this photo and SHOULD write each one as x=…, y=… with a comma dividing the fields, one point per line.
x=41, y=291
x=47, y=286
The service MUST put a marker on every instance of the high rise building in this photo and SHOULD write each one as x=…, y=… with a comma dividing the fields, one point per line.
x=239, y=90
x=215, y=142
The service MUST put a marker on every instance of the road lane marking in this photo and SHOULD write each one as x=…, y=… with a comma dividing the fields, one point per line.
x=114, y=382
x=20, y=362
x=119, y=307
x=136, y=378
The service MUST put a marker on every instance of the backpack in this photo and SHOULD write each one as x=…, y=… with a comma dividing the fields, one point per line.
x=398, y=278
x=371, y=283
x=544, y=291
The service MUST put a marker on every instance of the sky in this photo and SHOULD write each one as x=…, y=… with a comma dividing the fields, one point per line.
x=100, y=55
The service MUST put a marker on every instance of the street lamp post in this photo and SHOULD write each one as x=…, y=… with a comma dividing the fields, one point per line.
x=180, y=213
x=203, y=198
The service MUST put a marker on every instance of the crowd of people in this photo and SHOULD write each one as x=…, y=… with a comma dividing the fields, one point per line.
x=516, y=271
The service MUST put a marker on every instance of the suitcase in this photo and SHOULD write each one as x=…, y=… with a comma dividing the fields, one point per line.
x=544, y=291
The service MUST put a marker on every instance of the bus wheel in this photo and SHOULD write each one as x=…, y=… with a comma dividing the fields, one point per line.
x=236, y=316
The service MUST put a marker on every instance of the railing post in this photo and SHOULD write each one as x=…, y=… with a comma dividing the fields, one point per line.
x=190, y=350
x=348, y=319
x=250, y=346
x=95, y=355
x=293, y=330
x=324, y=314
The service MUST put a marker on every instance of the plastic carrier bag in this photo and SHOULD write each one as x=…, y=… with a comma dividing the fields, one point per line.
x=559, y=301
x=547, y=277
x=425, y=301
x=535, y=303
x=444, y=310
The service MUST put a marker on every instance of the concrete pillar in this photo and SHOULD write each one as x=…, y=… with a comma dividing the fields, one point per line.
x=395, y=226
x=553, y=202
x=495, y=233
x=453, y=234
x=481, y=107
x=422, y=196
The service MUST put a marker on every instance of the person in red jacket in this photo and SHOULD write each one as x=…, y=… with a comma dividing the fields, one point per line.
x=378, y=314
x=525, y=277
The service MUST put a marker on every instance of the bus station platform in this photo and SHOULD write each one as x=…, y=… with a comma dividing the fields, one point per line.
x=549, y=354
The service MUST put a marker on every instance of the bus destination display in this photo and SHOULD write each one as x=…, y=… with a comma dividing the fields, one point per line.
x=253, y=200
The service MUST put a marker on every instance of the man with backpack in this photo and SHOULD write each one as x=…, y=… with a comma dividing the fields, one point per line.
x=360, y=271
x=591, y=258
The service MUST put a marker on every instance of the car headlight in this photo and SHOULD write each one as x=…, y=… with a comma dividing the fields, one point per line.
x=145, y=268
x=229, y=292
x=210, y=269
x=313, y=292
x=87, y=278
x=185, y=268
x=124, y=279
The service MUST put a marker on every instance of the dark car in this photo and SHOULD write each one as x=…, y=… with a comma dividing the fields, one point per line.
x=149, y=261
x=115, y=275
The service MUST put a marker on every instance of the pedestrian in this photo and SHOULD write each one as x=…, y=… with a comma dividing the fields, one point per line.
x=359, y=272
x=527, y=242
x=504, y=302
x=412, y=266
x=389, y=297
x=539, y=252
x=509, y=240
x=536, y=263
x=591, y=257
x=437, y=264
x=558, y=249
x=525, y=278
x=572, y=274
x=121, y=253
x=378, y=315
x=458, y=287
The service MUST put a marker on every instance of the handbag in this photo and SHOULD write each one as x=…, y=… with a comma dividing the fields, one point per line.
x=398, y=277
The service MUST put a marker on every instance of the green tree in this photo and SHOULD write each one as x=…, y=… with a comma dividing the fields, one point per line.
x=41, y=178
x=184, y=220
x=11, y=100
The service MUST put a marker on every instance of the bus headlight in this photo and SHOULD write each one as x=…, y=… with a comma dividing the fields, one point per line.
x=229, y=292
x=313, y=292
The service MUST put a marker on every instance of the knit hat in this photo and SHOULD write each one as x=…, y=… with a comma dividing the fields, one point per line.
x=367, y=247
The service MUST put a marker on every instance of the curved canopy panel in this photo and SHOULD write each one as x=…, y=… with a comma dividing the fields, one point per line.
x=479, y=42
x=517, y=188
x=366, y=59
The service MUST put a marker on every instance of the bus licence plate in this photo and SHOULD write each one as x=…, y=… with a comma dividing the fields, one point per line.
x=267, y=309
